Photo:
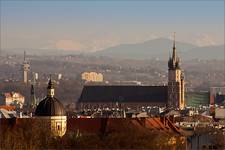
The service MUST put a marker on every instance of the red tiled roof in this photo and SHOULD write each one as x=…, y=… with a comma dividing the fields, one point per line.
x=90, y=125
x=102, y=125
x=9, y=108
x=110, y=125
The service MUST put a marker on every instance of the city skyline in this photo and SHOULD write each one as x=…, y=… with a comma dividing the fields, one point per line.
x=91, y=26
x=112, y=74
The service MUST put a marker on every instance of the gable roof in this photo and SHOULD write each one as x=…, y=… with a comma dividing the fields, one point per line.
x=114, y=93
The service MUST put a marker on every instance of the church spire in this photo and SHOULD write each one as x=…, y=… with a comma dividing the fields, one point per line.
x=174, y=61
x=174, y=47
x=33, y=101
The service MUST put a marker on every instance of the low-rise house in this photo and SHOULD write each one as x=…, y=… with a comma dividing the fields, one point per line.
x=13, y=99
x=220, y=113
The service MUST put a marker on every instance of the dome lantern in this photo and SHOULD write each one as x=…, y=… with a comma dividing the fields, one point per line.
x=50, y=88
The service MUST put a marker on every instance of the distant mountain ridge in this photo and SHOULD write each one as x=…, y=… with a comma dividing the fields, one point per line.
x=157, y=48
x=160, y=48
x=207, y=52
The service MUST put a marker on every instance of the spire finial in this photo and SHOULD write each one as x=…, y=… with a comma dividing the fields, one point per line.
x=50, y=82
x=50, y=77
x=174, y=39
x=174, y=47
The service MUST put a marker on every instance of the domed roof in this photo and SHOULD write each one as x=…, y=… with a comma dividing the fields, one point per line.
x=50, y=106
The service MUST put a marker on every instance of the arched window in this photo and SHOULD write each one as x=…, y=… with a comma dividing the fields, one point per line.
x=58, y=126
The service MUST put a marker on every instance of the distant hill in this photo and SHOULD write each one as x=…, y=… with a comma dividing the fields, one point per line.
x=209, y=52
x=157, y=48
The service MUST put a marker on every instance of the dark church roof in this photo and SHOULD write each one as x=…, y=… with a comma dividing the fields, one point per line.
x=148, y=94
x=50, y=106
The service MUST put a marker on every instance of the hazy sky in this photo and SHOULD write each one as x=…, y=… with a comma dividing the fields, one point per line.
x=94, y=25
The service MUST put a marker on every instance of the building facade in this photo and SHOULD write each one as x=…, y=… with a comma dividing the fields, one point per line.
x=92, y=77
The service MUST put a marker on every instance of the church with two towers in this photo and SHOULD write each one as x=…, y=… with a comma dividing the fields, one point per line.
x=135, y=96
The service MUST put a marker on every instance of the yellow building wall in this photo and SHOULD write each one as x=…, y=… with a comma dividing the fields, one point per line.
x=92, y=76
x=57, y=125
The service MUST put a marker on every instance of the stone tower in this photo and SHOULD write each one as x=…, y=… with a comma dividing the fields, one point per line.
x=175, y=81
x=26, y=69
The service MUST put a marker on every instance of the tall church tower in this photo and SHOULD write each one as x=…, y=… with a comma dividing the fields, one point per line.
x=175, y=81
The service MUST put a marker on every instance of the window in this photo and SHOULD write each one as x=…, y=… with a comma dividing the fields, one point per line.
x=58, y=126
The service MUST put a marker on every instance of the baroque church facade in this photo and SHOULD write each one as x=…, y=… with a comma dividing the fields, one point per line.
x=111, y=96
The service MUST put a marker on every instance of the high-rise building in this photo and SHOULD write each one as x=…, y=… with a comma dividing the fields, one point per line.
x=26, y=69
x=175, y=81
